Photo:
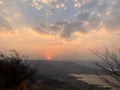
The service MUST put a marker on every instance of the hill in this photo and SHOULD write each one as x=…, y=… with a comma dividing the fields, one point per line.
x=59, y=68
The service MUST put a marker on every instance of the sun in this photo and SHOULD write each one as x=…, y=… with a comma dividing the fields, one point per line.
x=48, y=57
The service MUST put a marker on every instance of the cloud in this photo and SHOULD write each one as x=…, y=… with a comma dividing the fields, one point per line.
x=113, y=16
x=1, y=1
x=4, y=25
x=63, y=17
x=94, y=15
x=91, y=15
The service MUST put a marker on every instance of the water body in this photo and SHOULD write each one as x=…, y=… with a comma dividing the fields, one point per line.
x=91, y=79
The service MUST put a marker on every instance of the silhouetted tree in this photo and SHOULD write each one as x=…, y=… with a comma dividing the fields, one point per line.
x=14, y=70
x=109, y=64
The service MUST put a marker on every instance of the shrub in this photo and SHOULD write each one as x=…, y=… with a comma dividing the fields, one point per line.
x=14, y=70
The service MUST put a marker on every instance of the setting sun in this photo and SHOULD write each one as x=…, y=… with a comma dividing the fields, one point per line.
x=48, y=57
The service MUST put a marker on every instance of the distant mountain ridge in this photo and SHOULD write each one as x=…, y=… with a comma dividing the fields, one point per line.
x=53, y=68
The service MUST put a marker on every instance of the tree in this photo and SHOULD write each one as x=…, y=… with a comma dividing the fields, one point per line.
x=109, y=64
x=15, y=71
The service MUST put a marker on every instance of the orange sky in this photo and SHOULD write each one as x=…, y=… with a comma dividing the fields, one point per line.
x=41, y=46
x=59, y=29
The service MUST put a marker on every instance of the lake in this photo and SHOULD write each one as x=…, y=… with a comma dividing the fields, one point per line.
x=91, y=79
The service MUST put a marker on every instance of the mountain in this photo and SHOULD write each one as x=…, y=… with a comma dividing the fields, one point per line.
x=59, y=68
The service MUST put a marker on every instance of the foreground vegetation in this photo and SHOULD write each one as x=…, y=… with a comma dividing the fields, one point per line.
x=17, y=74
x=109, y=65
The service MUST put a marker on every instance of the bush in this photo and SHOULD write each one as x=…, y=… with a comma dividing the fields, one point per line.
x=14, y=70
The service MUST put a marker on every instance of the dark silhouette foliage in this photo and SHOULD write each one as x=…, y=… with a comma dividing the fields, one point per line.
x=14, y=70
x=109, y=64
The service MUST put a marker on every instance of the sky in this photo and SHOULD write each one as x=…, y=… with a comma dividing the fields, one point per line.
x=59, y=29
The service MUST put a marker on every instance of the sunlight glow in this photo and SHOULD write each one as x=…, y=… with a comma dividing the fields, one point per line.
x=48, y=57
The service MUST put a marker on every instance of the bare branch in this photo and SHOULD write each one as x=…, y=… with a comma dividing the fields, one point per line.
x=109, y=65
